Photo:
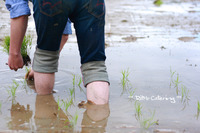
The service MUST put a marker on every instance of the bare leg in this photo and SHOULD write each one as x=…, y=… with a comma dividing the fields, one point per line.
x=44, y=83
x=98, y=92
x=63, y=41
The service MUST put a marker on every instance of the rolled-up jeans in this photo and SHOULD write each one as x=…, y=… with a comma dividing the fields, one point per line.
x=88, y=17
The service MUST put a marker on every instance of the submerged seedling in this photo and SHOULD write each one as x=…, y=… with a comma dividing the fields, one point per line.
x=26, y=46
x=13, y=88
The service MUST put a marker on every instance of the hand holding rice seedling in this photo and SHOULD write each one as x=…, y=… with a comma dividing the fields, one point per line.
x=26, y=46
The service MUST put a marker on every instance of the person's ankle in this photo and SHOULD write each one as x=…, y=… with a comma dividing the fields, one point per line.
x=98, y=92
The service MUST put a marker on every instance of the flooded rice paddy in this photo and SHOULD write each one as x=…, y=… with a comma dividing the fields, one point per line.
x=153, y=61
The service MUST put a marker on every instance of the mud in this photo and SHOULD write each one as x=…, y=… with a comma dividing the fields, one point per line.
x=159, y=46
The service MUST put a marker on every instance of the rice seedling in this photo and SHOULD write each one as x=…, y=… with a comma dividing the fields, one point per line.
x=172, y=72
x=13, y=89
x=72, y=93
x=138, y=109
x=147, y=122
x=26, y=45
x=144, y=122
x=198, y=110
x=131, y=93
x=67, y=104
x=59, y=103
x=74, y=80
x=74, y=120
x=80, y=81
x=158, y=2
x=177, y=81
x=184, y=94
x=124, y=80
x=125, y=83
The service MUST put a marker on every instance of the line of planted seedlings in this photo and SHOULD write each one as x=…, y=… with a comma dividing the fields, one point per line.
x=76, y=82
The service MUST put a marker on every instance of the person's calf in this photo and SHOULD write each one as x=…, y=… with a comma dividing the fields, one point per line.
x=44, y=83
x=98, y=92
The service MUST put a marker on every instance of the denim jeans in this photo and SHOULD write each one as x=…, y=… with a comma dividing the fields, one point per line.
x=88, y=17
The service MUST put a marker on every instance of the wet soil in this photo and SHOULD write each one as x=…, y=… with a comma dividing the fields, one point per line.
x=157, y=45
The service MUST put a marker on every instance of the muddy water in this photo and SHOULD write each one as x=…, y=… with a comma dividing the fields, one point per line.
x=158, y=46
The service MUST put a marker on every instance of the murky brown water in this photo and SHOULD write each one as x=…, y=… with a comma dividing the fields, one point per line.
x=160, y=48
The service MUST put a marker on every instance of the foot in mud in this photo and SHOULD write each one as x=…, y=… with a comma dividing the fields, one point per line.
x=98, y=92
x=30, y=75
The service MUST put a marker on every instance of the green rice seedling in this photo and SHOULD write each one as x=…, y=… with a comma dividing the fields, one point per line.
x=74, y=80
x=184, y=94
x=80, y=81
x=131, y=93
x=138, y=110
x=26, y=45
x=125, y=81
x=158, y=2
x=198, y=110
x=176, y=83
x=59, y=103
x=27, y=69
x=67, y=104
x=74, y=120
x=13, y=89
x=147, y=122
x=172, y=72
x=72, y=92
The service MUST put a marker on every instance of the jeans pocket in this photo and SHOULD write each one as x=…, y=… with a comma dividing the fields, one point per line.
x=50, y=7
x=96, y=8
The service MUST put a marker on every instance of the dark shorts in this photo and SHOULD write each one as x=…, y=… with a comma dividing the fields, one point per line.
x=88, y=17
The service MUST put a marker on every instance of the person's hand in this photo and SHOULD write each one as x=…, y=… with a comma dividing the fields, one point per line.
x=15, y=61
x=30, y=75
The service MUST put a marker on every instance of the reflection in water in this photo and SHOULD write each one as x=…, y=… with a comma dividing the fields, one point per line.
x=95, y=118
x=20, y=117
x=48, y=117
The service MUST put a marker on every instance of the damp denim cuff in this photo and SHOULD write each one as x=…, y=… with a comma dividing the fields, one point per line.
x=45, y=61
x=94, y=71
